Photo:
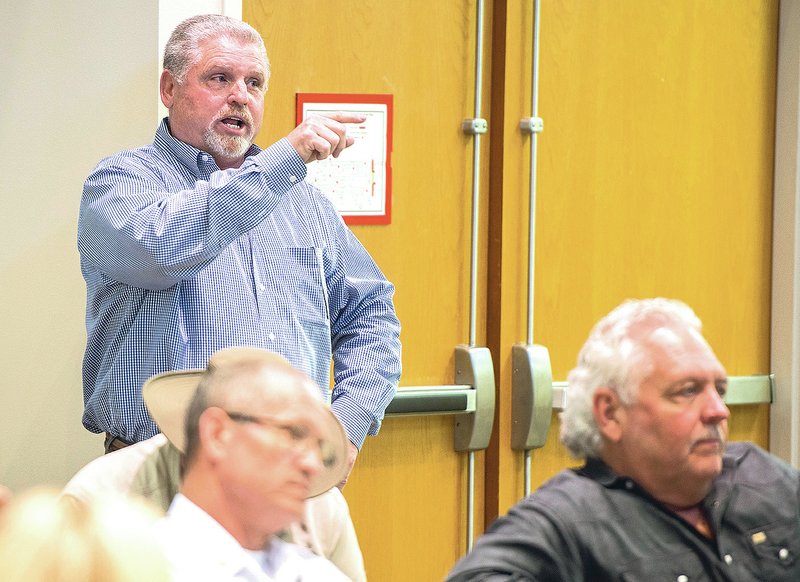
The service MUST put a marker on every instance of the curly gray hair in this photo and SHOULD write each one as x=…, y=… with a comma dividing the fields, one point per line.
x=608, y=358
x=183, y=47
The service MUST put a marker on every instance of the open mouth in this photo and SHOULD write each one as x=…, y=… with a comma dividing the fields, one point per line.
x=233, y=122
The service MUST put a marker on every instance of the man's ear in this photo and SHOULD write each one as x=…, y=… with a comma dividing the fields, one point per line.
x=167, y=86
x=214, y=432
x=608, y=413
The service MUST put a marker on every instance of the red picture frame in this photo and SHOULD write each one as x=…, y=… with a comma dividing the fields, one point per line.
x=361, y=189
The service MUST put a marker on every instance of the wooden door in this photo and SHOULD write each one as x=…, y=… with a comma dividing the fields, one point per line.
x=654, y=179
x=407, y=493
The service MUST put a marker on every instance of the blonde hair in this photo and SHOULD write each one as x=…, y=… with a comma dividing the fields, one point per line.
x=45, y=538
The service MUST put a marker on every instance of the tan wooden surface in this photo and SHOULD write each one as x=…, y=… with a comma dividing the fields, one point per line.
x=655, y=178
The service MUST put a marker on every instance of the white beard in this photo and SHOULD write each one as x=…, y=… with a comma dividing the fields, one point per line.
x=228, y=147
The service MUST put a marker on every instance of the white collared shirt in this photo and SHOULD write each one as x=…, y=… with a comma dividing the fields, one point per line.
x=200, y=549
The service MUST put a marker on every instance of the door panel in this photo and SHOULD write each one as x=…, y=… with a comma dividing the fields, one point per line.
x=654, y=178
x=407, y=492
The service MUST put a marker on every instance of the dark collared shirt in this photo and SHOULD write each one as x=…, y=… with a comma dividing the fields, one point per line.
x=590, y=524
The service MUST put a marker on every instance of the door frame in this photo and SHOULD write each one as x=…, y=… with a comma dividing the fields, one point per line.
x=785, y=315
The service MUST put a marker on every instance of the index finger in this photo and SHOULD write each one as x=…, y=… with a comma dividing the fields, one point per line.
x=344, y=117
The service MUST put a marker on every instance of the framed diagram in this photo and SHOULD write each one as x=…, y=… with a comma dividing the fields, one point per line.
x=359, y=181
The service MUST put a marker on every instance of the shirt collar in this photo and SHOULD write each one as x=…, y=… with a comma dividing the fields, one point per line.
x=189, y=156
x=596, y=470
x=205, y=536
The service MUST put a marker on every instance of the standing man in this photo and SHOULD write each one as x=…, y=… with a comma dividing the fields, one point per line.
x=202, y=240
x=662, y=496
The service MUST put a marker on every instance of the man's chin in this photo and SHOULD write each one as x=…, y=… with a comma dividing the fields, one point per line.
x=295, y=508
x=707, y=466
x=227, y=147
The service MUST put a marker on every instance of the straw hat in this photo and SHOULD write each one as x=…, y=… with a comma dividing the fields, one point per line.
x=167, y=397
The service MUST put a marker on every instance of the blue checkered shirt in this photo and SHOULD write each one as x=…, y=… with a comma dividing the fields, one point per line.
x=181, y=259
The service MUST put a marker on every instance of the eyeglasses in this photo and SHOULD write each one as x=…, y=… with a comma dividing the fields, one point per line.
x=300, y=438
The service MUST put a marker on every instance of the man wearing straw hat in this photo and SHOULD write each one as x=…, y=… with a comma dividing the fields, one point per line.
x=151, y=469
x=257, y=441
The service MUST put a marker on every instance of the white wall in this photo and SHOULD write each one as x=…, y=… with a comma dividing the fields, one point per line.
x=77, y=84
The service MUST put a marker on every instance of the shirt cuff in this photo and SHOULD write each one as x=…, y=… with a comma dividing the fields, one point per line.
x=357, y=421
x=285, y=167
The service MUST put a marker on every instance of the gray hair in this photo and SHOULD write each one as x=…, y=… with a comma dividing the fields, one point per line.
x=608, y=358
x=183, y=47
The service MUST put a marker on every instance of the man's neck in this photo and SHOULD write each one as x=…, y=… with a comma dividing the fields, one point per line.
x=205, y=493
x=666, y=489
x=696, y=516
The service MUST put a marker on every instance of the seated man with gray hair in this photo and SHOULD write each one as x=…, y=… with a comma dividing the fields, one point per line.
x=662, y=495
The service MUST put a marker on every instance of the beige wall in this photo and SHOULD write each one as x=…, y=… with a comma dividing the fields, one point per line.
x=78, y=82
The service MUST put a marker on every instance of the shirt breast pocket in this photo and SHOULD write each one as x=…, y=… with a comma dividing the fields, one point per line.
x=293, y=303
x=295, y=277
x=776, y=548
x=681, y=566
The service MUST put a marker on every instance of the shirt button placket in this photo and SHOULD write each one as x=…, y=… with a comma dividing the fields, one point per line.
x=206, y=166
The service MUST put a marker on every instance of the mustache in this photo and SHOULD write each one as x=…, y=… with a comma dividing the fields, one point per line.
x=240, y=112
x=713, y=433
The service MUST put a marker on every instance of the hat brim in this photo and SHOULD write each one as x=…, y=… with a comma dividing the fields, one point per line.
x=167, y=397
